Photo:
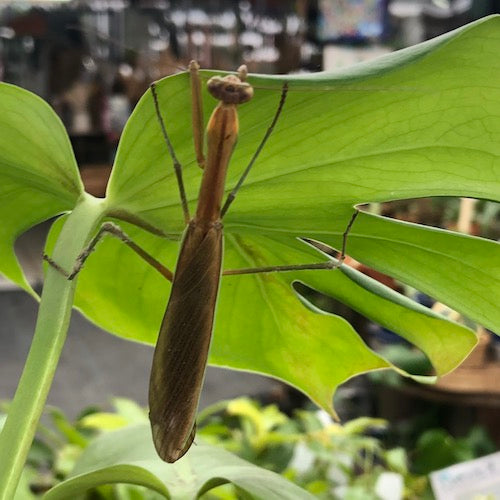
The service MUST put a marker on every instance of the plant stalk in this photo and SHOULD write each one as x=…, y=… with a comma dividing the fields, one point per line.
x=50, y=333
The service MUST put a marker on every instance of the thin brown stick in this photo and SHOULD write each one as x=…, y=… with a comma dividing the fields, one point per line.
x=173, y=156
x=273, y=269
x=114, y=230
x=232, y=194
x=197, y=112
x=345, y=234
x=331, y=264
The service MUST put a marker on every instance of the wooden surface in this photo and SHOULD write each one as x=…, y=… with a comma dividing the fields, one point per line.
x=482, y=381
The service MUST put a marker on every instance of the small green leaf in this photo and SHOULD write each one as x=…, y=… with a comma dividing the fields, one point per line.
x=437, y=449
x=397, y=460
x=130, y=410
x=103, y=421
x=363, y=424
x=128, y=456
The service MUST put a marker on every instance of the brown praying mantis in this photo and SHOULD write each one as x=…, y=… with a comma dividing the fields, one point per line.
x=181, y=352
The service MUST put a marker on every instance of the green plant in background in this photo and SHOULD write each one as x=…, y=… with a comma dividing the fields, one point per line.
x=103, y=447
x=436, y=449
x=438, y=135
x=328, y=460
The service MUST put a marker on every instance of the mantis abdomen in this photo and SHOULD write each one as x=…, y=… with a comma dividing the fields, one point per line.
x=184, y=340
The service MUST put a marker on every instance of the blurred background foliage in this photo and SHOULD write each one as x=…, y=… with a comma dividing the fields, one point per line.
x=358, y=459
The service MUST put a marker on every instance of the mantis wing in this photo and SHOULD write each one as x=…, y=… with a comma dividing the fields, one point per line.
x=182, y=349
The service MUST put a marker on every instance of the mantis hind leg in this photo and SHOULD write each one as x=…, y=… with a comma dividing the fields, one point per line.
x=331, y=264
x=116, y=231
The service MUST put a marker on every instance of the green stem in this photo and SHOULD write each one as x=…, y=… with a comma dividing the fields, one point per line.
x=50, y=333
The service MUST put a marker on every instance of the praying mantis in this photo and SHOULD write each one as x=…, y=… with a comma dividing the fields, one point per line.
x=183, y=343
x=182, y=349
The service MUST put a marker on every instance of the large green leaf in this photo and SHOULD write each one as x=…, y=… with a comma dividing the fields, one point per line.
x=421, y=122
x=38, y=173
x=128, y=456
